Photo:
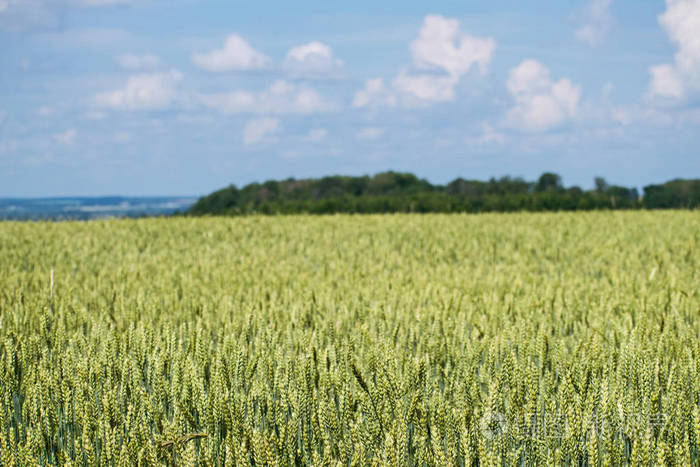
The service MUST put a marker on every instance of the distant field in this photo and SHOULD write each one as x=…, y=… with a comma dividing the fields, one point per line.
x=498, y=339
x=85, y=208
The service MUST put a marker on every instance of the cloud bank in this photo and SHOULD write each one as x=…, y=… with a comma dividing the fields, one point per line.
x=256, y=130
x=236, y=55
x=154, y=91
x=282, y=97
x=676, y=81
x=540, y=103
x=597, y=22
x=441, y=55
x=312, y=60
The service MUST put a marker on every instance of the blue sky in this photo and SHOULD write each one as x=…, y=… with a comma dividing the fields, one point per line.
x=156, y=97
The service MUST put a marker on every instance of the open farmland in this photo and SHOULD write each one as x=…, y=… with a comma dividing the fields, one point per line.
x=498, y=339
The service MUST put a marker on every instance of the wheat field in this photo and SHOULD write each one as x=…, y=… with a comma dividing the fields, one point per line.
x=500, y=339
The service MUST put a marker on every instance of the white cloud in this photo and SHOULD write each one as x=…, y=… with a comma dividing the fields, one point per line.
x=488, y=136
x=425, y=87
x=442, y=45
x=442, y=54
x=681, y=21
x=314, y=59
x=621, y=116
x=640, y=115
x=151, y=91
x=281, y=97
x=67, y=137
x=316, y=135
x=371, y=133
x=596, y=22
x=256, y=130
x=374, y=94
x=237, y=54
x=665, y=82
x=138, y=62
x=540, y=103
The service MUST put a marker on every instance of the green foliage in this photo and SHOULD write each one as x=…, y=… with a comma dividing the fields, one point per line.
x=676, y=193
x=549, y=181
x=494, y=339
x=392, y=192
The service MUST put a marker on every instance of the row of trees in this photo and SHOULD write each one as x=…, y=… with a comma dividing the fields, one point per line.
x=404, y=192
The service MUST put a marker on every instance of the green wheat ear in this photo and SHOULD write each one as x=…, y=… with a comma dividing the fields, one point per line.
x=191, y=341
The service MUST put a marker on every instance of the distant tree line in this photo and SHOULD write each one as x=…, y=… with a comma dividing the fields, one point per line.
x=389, y=192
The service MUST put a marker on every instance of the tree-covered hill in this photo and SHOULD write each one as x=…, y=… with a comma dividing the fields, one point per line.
x=404, y=192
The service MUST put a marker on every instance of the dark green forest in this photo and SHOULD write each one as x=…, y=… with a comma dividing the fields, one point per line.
x=389, y=192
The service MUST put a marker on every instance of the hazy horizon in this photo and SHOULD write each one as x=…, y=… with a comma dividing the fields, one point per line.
x=69, y=196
